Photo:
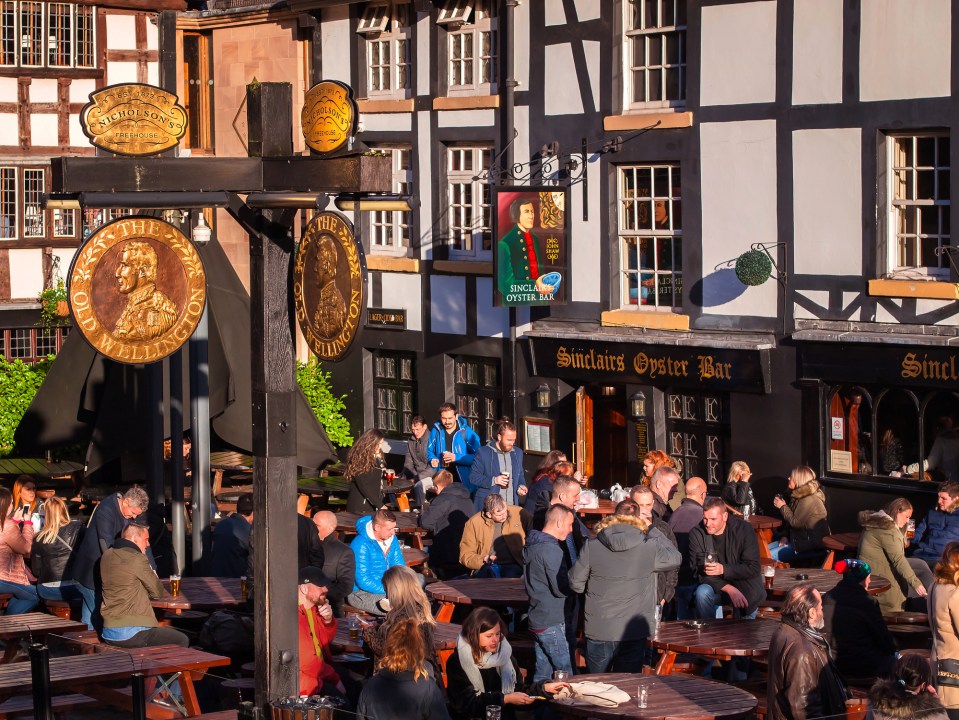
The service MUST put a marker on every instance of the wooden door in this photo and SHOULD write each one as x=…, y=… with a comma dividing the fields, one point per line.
x=584, y=432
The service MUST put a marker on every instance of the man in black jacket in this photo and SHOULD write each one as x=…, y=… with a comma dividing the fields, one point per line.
x=446, y=517
x=339, y=563
x=416, y=467
x=724, y=560
x=687, y=516
x=309, y=549
x=231, y=540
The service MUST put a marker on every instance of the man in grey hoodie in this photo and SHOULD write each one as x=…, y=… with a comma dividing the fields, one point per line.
x=616, y=570
x=548, y=587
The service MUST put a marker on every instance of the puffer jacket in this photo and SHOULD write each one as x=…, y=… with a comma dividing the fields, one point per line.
x=52, y=561
x=614, y=569
x=881, y=545
x=478, y=537
x=888, y=701
x=465, y=444
x=16, y=539
x=371, y=562
x=798, y=666
x=937, y=530
x=806, y=516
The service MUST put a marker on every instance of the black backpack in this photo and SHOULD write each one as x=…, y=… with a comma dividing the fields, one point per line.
x=227, y=633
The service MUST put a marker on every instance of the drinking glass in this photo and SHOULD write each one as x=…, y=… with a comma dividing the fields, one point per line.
x=174, y=585
x=642, y=696
x=560, y=675
x=244, y=588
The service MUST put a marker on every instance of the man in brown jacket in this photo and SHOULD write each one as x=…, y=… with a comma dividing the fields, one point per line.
x=492, y=544
x=803, y=683
x=129, y=583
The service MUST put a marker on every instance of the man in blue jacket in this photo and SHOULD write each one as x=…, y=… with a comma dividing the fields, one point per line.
x=452, y=445
x=940, y=527
x=498, y=468
x=377, y=550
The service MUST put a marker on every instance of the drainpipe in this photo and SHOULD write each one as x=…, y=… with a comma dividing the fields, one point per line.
x=506, y=139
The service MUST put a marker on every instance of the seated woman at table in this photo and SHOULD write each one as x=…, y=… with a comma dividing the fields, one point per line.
x=53, y=552
x=907, y=693
x=407, y=601
x=25, y=494
x=483, y=672
x=737, y=491
x=364, y=472
x=654, y=460
x=882, y=545
x=806, y=522
x=404, y=686
x=16, y=540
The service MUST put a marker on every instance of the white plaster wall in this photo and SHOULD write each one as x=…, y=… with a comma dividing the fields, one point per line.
x=817, y=52
x=43, y=129
x=8, y=89
x=588, y=10
x=121, y=72
x=386, y=121
x=43, y=90
x=423, y=181
x=490, y=321
x=819, y=297
x=521, y=149
x=9, y=129
x=827, y=201
x=465, y=118
x=563, y=97
x=153, y=73
x=554, y=12
x=922, y=307
x=337, y=43
x=76, y=132
x=422, y=68
x=521, y=46
x=738, y=53
x=404, y=290
x=739, y=203
x=26, y=273
x=591, y=51
x=448, y=304
x=121, y=32
x=80, y=90
x=153, y=34
x=586, y=240
x=66, y=257
x=905, y=49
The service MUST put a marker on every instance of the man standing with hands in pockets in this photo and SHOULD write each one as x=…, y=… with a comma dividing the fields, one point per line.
x=498, y=468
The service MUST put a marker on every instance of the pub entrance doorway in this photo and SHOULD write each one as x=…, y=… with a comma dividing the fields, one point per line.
x=602, y=447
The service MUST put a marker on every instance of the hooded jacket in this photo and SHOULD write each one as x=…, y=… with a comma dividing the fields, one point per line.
x=861, y=644
x=546, y=578
x=937, y=530
x=616, y=569
x=740, y=561
x=486, y=466
x=465, y=444
x=446, y=518
x=888, y=701
x=806, y=516
x=881, y=545
x=798, y=686
x=371, y=562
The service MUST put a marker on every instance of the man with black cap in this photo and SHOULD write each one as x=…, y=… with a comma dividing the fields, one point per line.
x=317, y=627
x=861, y=644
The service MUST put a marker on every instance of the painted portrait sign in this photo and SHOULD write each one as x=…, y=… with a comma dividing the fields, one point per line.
x=328, y=285
x=328, y=117
x=137, y=289
x=133, y=119
x=531, y=254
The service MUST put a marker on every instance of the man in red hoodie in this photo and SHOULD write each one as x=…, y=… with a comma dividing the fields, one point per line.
x=317, y=627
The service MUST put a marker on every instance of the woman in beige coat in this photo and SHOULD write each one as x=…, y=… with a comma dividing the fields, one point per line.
x=943, y=620
x=882, y=545
x=805, y=519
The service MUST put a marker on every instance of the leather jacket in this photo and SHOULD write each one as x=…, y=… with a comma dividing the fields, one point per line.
x=798, y=665
x=52, y=561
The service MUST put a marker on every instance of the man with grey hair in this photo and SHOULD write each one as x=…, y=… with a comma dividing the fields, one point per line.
x=339, y=564
x=493, y=540
x=803, y=682
x=663, y=484
x=107, y=522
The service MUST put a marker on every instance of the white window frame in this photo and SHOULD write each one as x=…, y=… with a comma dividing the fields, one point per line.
x=34, y=187
x=375, y=18
x=632, y=232
x=471, y=219
x=454, y=12
x=64, y=223
x=655, y=36
x=392, y=30
x=13, y=40
x=391, y=232
x=478, y=21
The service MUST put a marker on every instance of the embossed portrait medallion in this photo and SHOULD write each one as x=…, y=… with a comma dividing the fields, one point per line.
x=137, y=289
x=328, y=116
x=133, y=119
x=328, y=285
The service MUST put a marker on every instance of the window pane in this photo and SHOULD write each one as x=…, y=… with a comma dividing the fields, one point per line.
x=8, y=203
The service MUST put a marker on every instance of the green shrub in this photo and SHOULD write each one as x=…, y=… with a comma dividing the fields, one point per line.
x=18, y=384
x=315, y=383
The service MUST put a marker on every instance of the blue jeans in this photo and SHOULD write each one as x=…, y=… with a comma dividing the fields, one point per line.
x=67, y=593
x=24, y=598
x=552, y=652
x=684, y=602
x=708, y=604
x=89, y=605
x=615, y=655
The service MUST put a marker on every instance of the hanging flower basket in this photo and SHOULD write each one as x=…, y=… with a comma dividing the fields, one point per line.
x=54, y=309
x=63, y=308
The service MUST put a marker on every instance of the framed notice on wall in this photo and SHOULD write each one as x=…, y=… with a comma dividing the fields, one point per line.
x=537, y=435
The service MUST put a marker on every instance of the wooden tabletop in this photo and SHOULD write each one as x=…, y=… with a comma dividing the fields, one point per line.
x=406, y=522
x=670, y=697
x=444, y=637
x=400, y=485
x=414, y=557
x=494, y=592
x=732, y=638
x=229, y=460
x=823, y=580
x=906, y=618
x=603, y=507
x=29, y=625
x=198, y=593
x=842, y=541
x=38, y=467
x=764, y=522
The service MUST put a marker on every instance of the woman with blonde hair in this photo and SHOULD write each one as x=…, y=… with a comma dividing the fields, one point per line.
x=16, y=540
x=406, y=601
x=943, y=621
x=737, y=491
x=364, y=472
x=53, y=552
x=805, y=519
x=654, y=460
x=403, y=687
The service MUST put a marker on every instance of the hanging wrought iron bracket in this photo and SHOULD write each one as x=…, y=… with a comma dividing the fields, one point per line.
x=781, y=276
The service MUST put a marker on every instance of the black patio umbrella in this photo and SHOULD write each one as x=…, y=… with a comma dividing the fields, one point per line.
x=87, y=398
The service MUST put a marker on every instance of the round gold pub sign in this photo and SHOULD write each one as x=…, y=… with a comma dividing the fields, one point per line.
x=328, y=285
x=328, y=116
x=137, y=289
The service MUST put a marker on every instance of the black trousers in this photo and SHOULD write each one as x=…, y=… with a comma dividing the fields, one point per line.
x=152, y=637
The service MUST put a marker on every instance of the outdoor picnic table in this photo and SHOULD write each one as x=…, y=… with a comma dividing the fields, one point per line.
x=492, y=592
x=763, y=526
x=32, y=625
x=414, y=557
x=823, y=580
x=199, y=593
x=670, y=697
x=906, y=618
x=603, y=508
x=89, y=674
x=839, y=543
x=717, y=639
x=407, y=523
x=38, y=467
x=444, y=641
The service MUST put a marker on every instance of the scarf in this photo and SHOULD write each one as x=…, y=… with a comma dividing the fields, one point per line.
x=502, y=659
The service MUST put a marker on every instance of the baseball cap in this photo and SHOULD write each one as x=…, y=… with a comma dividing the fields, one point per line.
x=314, y=575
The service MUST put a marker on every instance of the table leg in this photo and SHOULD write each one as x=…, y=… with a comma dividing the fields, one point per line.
x=418, y=541
x=190, y=702
x=666, y=662
x=443, y=656
x=13, y=646
x=445, y=612
x=764, y=537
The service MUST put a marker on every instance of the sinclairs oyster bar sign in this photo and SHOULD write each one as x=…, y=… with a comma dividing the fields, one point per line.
x=692, y=367
x=926, y=366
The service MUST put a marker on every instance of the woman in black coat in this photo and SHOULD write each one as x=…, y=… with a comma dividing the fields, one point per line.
x=53, y=552
x=364, y=471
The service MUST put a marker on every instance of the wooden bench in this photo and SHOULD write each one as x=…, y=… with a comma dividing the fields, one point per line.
x=855, y=708
x=23, y=706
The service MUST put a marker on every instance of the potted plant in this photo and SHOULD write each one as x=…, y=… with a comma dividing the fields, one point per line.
x=54, y=308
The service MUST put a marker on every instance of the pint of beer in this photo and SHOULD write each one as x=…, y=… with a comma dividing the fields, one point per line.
x=174, y=585
x=910, y=529
x=244, y=588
